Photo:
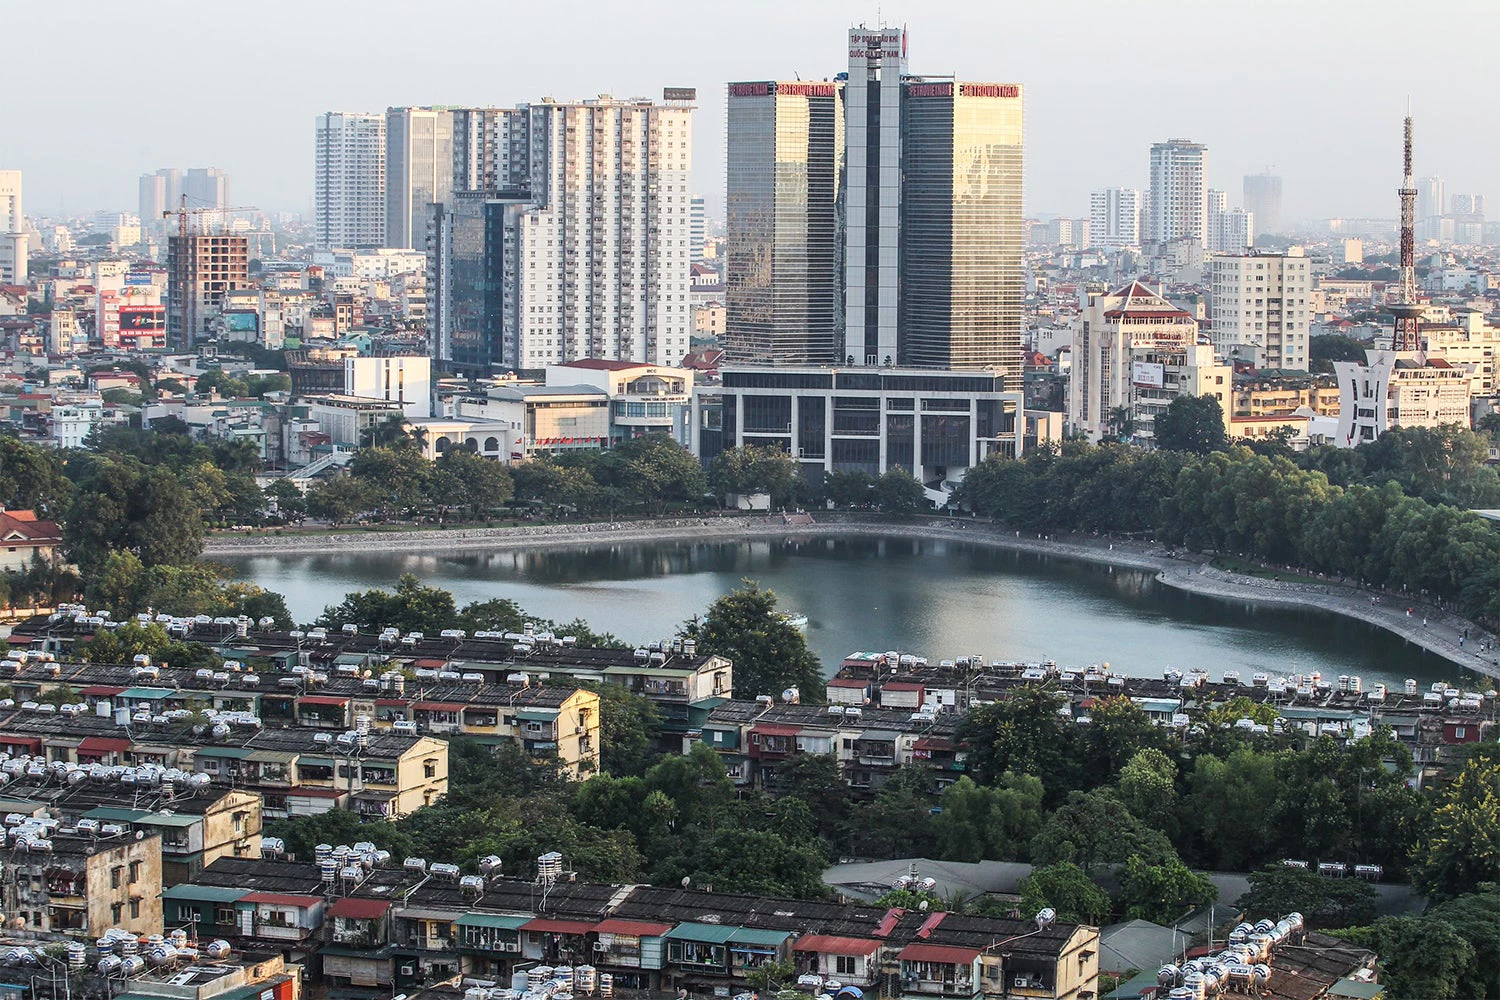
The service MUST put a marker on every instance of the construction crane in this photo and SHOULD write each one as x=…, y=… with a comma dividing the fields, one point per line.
x=182, y=212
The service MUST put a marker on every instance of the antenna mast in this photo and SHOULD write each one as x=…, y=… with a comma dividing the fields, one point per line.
x=1407, y=335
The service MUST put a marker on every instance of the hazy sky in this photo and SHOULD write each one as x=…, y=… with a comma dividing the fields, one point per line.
x=1314, y=88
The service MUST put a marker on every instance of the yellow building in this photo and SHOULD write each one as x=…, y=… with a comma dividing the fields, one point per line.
x=1270, y=397
x=82, y=885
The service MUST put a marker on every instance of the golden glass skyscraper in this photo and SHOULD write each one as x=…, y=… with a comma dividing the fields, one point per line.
x=961, y=280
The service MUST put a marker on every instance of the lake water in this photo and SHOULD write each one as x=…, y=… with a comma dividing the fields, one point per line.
x=936, y=598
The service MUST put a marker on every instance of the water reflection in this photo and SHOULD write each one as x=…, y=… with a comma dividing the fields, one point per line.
x=941, y=598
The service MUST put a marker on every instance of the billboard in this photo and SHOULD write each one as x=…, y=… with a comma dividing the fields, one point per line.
x=241, y=321
x=137, y=278
x=679, y=93
x=1148, y=374
x=143, y=319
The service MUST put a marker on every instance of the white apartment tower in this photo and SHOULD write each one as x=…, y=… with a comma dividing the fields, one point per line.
x=1178, y=203
x=349, y=188
x=872, y=206
x=1259, y=304
x=1231, y=230
x=419, y=171
x=1115, y=217
x=579, y=244
x=14, y=236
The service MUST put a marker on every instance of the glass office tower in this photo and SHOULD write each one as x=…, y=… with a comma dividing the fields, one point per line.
x=961, y=276
x=785, y=150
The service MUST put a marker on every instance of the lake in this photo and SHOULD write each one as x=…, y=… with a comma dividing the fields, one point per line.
x=941, y=599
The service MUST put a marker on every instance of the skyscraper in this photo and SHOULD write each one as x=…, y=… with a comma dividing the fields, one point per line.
x=14, y=237
x=1178, y=201
x=159, y=193
x=349, y=186
x=960, y=236
x=1260, y=307
x=586, y=256
x=697, y=227
x=872, y=202
x=1432, y=198
x=1115, y=217
x=1262, y=197
x=206, y=187
x=418, y=171
x=784, y=156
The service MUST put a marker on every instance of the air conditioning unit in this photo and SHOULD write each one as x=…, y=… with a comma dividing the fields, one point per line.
x=408, y=970
x=578, y=730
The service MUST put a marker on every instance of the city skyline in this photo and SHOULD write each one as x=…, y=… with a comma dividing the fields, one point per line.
x=1196, y=93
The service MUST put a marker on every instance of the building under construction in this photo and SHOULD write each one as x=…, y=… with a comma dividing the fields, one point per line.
x=201, y=267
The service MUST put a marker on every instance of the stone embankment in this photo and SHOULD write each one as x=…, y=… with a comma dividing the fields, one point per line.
x=1432, y=629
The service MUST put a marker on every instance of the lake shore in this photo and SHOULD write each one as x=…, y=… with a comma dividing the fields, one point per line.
x=1425, y=626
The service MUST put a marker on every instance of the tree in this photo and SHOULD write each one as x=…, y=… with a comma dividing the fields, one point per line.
x=652, y=470
x=541, y=480
x=1162, y=892
x=1022, y=733
x=1148, y=787
x=463, y=479
x=1094, y=828
x=1476, y=918
x=397, y=474
x=1229, y=806
x=1324, y=902
x=988, y=824
x=1191, y=423
x=768, y=653
x=392, y=432
x=818, y=780
x=1323, y=351
x=411, y=607
x=339, y=499
x=1419, y=957
x=122, y=504
x=1067, y=889
x=898, y=822
x=286, y=497
x=629, y=725
x=898, y=493
x=32, y=478
x=754, y=469
x=1463, y=849
x=849, y=489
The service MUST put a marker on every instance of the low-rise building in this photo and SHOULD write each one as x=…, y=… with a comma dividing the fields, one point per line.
x=80, y=884
x=25, y=537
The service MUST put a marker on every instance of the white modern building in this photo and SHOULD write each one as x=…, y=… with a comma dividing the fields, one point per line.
x=1133, y=353
x=1115, y=217
x=1261, y=307
x=418, y=171
x=1178, y=199
x=1466, y=341
x=584, y=254
x=349, y=184
x=401, y=379
x=14, y=237
x=1398, y=389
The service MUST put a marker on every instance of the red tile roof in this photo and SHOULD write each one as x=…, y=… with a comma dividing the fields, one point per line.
x=25, y=526
x=353, y=908
x=558, y=926
x=941, y=953
x=832, y=944
x=603, y=364
x=632, y=928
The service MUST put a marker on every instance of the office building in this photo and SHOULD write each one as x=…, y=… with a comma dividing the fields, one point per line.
x=785, y=155
x=960, y=237
x=201, y=268
x=934, y=424
x=206, y=187
x=1262, y=198
x=419, y=161
x=1260, y=308
x=1133, y=353
x=1115, y=217
x=1178, y=201
x=872, y=196
x=400, y=379
x=349, y=184
x=14, y=238
x=589, y=258
x=160, y=193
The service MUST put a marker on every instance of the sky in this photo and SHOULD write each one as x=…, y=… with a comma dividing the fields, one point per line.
x=1313, y=89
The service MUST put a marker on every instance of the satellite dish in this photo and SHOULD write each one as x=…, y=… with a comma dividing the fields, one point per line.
x=686, y=881
x=923, y=906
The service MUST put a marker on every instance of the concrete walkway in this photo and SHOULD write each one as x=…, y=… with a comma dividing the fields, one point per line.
x=1440, y=634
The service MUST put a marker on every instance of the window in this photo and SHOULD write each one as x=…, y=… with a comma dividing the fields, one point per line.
x=115, y=911
x=116, y=877
x=135, y=872
x=135, y=907
x=844, y=965
x=429, y=768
